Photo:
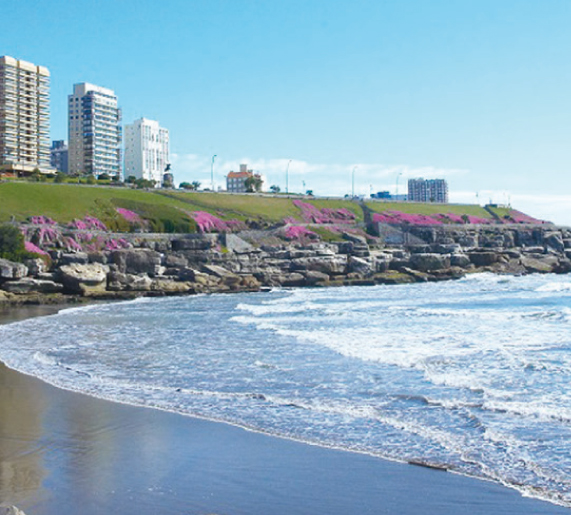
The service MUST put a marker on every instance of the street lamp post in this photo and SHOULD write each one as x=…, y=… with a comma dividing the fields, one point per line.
x=353, y=182
x=212, y=172
x=287, y=176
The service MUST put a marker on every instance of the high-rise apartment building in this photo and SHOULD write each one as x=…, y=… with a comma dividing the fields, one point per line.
x=94, y=124
x=59, y=156
x=428, y=190
x=146, y=150
x=24, y=116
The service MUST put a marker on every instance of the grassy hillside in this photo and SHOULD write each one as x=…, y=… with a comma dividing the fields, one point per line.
x=429, y=209
x=176, y=211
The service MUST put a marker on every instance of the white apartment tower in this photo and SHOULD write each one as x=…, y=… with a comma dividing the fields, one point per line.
x=24, y=116
x=94, y=131
x=146, y=150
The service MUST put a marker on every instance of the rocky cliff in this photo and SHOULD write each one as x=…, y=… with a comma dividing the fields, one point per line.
x=158, y=264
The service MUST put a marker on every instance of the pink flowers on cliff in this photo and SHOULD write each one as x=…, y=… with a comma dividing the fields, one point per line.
x=88, y=223
x=45, y=234
x=298, y=232
x=30, y=247
x=397, y=218
x=312, y=214
x=207, y=222
x=130, y=216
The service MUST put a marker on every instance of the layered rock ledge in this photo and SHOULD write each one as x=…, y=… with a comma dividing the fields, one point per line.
x=176, y=264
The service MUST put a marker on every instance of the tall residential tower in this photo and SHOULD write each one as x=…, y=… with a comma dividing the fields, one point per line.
x=24, y=116
x=94, y=131
x=428, y=190
x=146, y=150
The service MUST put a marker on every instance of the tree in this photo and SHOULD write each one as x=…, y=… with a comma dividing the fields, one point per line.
x=185, y=186
x=103, y=177
x=309, y=193
x=60, y=177
x=144, y=183
x=253, y=183
x=275, y=189
x=91, y=180
x=131, y=179
x=195, y=185
x=12, y=243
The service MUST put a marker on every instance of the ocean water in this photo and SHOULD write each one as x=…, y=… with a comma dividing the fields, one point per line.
x=472, y=375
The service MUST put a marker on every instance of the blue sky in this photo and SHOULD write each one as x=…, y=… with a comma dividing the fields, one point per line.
x=476, y=91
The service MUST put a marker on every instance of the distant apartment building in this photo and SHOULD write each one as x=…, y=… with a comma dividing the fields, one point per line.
x=146, y=150
x=428, y=190
x=94, y=131
x=236, y=181
x=24, y=116
x=59, y=156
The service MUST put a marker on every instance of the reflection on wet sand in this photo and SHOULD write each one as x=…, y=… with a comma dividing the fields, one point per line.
x=21, y=450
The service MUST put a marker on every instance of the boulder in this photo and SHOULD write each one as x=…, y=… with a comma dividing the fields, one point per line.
x=461, y=260
x=170, y=286
x=554, y=241
x=330, y=266
x=427, y=262
x=312, y=277
x=175, y=261
x=228, y=278
x=35, y=266
x=483, y=258
x=137, y=261
x=118, y=281
x=84, y=279
x=29, y=285
x=544, y=265
x=11, y=270
x=360, y=266
x=74, y=257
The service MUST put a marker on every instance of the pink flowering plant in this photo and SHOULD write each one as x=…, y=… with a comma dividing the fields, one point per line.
x=312, y=214
x=208, y=222
x=518, y=217
x=34, y=249
x=299, y=232
x=42, y=220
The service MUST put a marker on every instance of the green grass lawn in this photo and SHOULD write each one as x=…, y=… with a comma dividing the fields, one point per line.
x=428, y=209
x=168, y=210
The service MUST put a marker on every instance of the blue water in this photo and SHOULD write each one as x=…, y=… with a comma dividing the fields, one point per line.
x=472, y=375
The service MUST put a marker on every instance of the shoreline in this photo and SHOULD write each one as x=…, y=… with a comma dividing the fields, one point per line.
x=446, y=493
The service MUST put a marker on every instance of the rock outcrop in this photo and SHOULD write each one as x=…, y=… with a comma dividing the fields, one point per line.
x=186, y=264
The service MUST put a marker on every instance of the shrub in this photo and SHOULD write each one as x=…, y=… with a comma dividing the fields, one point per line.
x=12, y=246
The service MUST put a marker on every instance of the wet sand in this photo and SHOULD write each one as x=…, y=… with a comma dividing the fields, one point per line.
x=65, y=453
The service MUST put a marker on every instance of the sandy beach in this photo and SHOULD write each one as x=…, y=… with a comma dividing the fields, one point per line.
x=66, y=453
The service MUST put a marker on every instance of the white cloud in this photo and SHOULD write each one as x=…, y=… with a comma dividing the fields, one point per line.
x=323, y=179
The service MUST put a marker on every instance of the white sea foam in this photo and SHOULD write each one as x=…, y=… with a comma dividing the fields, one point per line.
x=472, y=374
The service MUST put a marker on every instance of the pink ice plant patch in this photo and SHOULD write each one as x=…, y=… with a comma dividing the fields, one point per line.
x=30, y=247
x=396, y=218
x=42, y=220
x=130, y=216
x=312, y=214
x=477, y=220
x=521, y=218
x=296, y=232
x=209, y=223
x=88, y=222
